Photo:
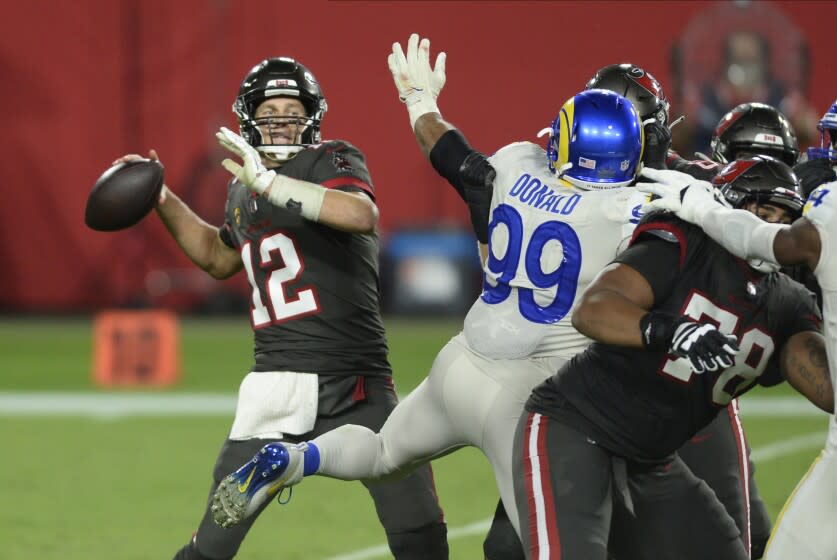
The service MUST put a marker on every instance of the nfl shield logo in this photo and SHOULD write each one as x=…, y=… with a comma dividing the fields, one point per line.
x=624, y=165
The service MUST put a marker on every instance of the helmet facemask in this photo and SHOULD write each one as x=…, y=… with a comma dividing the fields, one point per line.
x=280, y=77
x=764, y=181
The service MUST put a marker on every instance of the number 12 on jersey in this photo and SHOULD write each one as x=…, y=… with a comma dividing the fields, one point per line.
x=281, y=264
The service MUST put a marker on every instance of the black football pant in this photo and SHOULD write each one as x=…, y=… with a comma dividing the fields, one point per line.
x=719, y=455
x=407, y=508
x=566, y=485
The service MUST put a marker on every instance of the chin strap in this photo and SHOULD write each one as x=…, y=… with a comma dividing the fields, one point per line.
x=280, y=154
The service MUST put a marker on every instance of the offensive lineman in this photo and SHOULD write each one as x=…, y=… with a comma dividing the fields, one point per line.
x=718, y=454
x=804, y=530
x=664, y=363
x=557, y=217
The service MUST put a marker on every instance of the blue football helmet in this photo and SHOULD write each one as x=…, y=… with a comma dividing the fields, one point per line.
x=828, y=136
x=596, y=141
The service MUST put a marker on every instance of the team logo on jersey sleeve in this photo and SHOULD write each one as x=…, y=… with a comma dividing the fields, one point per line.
x=341, y=163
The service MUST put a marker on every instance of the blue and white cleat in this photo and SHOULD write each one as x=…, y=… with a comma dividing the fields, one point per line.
x=276, y=466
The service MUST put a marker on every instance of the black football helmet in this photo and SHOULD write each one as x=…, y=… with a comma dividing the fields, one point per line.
x=754, y=128
x=762, y=179
x=279, y=77
x=640, y=87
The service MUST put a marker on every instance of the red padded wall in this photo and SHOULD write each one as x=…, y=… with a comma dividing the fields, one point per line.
x=87, y=81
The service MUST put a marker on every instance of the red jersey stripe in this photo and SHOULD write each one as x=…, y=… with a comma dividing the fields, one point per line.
x=349, y=182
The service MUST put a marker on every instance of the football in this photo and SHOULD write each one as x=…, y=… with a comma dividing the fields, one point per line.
x=124, y=195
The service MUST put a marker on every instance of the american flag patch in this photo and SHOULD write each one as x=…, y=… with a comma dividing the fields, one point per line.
x=586, y=163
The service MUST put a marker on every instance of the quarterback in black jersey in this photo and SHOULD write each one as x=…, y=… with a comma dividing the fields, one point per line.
x=681, y=328
x=301, y=221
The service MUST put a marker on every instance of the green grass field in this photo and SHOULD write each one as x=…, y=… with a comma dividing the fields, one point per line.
x=83, y=486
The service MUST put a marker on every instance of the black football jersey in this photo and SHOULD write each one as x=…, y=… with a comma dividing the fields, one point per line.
x=314, y=304
x=644, y=405
x=698, y=168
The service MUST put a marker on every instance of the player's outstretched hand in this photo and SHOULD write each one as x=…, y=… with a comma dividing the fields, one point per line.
x=706, y=348
x=251, y=172
x=680, y=193
x=418, y=83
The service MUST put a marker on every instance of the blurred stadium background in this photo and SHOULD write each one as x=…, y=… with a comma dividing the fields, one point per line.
x=93, y=470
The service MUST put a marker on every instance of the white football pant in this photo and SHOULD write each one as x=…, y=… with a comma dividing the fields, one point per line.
x=466, y=399
x=807, y=527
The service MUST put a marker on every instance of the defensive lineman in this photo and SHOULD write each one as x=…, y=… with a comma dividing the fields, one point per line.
x=557, y=217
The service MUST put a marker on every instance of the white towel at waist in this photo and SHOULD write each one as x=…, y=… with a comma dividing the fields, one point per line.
x=273, y=403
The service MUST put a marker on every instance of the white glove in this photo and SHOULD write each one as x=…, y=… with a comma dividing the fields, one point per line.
x=418, y=84
x=253, y=173
x=680, y=193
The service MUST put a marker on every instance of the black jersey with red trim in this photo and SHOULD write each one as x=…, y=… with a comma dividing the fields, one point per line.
x=644, y=405
x=314, y=304
x=698, y=168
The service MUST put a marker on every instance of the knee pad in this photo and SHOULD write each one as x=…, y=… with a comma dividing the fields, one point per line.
x=425, y=543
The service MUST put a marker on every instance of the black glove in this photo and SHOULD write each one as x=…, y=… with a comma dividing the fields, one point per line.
x=706, y=348
x=814, y=173
x=657, y=144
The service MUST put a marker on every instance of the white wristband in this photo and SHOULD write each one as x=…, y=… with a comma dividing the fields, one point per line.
x=419, y=103
x=297, y=196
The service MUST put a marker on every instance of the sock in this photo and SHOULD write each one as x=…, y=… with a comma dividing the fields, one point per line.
x=312, y=460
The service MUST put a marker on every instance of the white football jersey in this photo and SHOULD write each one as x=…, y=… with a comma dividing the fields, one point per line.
x=821, y=210
x=547, y=242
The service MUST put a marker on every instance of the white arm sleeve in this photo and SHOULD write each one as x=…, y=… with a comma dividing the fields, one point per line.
x=742, y=233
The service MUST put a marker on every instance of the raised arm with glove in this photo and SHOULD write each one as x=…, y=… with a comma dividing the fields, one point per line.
x=466, y=169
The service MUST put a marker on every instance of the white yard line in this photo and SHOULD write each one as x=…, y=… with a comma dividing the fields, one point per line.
x=115, y=405
x=767, y=453
x=130, y=405
x=126, y=405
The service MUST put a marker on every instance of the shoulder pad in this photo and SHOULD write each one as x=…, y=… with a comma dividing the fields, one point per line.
x=666, y=226
x=517, y=149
